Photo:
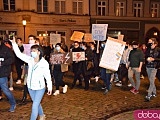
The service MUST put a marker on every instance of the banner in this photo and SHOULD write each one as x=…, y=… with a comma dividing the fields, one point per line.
x=112, y=54
x=78, y=56
x=60, y=58
x=27, y=49
x=88, y=37
x=77, y=36
x=55, y=38
x=99, y=31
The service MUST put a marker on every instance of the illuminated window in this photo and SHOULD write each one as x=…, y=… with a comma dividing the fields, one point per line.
x=138, y=9
x=9, y=5
x=101, y=8
x=42, y=5
x=60, y=6
x=78, y=6
x=120, y=8
x=155, y=9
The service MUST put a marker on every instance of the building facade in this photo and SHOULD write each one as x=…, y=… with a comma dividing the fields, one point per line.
x=136, y=19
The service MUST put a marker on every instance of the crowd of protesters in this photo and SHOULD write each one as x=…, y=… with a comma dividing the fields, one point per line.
x=36, y=70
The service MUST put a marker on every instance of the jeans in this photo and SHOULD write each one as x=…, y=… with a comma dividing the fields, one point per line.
x=36, y=96
x=6, y=91
x=106, y=78
x=131, y=72
x=151, y=76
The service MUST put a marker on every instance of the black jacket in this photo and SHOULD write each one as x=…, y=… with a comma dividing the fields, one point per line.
x=6, y=58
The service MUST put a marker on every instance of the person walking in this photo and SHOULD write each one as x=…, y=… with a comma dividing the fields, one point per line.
x=6, y=59
x=38, y=72
x=135, y=61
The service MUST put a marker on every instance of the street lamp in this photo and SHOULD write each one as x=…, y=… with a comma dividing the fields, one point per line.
x=24, y=26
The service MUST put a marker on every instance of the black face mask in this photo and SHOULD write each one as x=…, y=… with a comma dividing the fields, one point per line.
x=134, y=48
x=126, y=47
x=149, y=45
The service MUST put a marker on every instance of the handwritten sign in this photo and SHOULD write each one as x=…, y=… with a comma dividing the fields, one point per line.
x=27, y=49
x=55, y=38
x=112, y=54
x=99, y=31
x=88, y=37
x=78, y=56
x=60, y=58
x=77, y=36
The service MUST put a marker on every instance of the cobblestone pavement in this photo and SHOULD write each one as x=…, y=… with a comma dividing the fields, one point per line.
x=78, y=104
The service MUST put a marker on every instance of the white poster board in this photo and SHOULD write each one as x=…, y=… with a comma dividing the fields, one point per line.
x=112, y=54
x=99, y=31
x=27, y=49
x=78, y=56
x=55, y=38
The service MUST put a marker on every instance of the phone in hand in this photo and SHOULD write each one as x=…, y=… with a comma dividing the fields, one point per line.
x=11, y=36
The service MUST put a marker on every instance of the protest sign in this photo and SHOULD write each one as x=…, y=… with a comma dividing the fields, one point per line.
x=55, y=38
x=77, y=36
x=88, y=37
x=27, y=49
x=78, y=56
x=99, y=31
x=60, y=58
x=112, y=54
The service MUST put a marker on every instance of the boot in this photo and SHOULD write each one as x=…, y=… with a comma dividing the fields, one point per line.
x=56, y=92
x=42, y=117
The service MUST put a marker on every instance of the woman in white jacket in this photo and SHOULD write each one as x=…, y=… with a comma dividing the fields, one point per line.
x=37, y=72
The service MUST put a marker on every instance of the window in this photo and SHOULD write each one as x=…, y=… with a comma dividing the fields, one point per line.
x=155, y=9
x=77, y=6
x=9, y=5
x=60, y=6
x=101, y=8
x=120, y=9
x=42, y=5
x=138, y=9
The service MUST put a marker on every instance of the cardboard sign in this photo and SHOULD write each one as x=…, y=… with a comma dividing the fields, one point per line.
x=55, y=38
x=78, y=56
x=27, y=49
x=112, y=54
x=88, y=37
x=99, y=31
x=77, y=36
x=60, y=58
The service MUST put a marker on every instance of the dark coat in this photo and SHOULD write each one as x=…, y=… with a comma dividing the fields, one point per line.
x=7, y=58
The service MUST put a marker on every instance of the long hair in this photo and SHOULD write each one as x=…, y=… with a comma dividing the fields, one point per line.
x=40, y=49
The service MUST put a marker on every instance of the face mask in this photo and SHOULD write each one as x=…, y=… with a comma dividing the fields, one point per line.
x=32, y=42
x=126, y=47
x=58, y=48
x=134, y=48
x=34, y=54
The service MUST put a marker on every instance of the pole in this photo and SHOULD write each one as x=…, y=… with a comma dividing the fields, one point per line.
x=24, y=32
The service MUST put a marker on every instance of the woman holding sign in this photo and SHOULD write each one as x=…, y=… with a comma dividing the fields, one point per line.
x=58, y=71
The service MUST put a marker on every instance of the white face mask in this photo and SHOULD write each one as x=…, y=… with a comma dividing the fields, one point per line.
x=34, y=54
x=58, y=48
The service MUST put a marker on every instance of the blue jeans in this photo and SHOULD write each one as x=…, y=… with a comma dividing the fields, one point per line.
x=106, y=77
x=6, y=91
x=36, y=96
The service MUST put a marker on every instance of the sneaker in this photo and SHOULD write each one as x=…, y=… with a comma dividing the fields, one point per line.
x=65, y=88
x=103, y=87
x=97, y=78
x=106, y=91
x=129, y=85
x=142, y=77
x=136, y=91
x=18, y=82
x=154, y=95
x=116, y=80
x=11, y=89
x=12, y=108
x=132, y=90
x=42, y=117
x=56, y=92
x=119, y=84
x=148, y=98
